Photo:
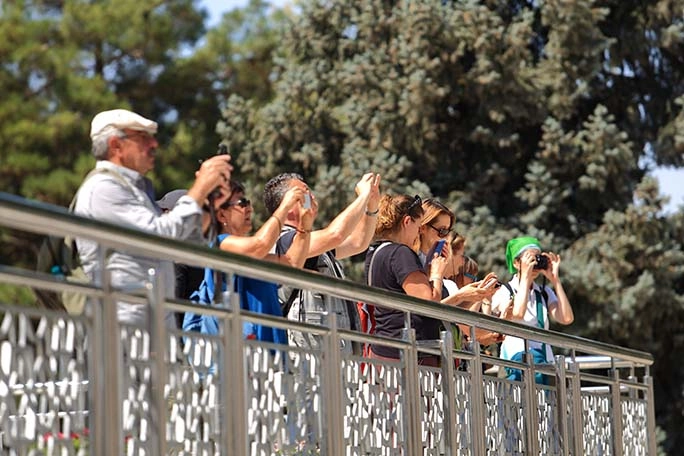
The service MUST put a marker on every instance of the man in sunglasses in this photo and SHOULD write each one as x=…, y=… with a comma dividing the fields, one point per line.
x=349, y=233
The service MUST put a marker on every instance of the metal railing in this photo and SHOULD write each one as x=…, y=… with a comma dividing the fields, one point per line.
x=88, y=385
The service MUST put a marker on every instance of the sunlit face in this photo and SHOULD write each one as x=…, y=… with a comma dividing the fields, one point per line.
x=410, y=230
x=135, y=151
x=235, y=215
x=457, y=259
x=437, y=229
x=296, y=183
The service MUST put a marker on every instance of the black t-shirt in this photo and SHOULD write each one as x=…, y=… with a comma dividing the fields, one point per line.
x=391, y=267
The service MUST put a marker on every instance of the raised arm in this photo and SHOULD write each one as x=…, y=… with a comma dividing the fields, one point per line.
x=362, y=234
x=560, y=311
x=258, y=245
x=336, y=234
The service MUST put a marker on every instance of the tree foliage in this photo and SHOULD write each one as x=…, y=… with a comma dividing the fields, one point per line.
x=526, y=117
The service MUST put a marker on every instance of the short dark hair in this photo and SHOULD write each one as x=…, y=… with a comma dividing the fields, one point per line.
x=275, y=189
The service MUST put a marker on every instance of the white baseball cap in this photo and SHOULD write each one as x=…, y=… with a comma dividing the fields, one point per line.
x=121, y=118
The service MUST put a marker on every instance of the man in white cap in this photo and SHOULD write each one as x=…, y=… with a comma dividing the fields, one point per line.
x=116, y=191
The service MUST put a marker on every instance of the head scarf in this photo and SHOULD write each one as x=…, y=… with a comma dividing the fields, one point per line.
x=516, y=247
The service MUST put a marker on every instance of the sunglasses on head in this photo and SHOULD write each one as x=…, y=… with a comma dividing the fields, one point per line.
x=470, y=276
x=242, y=202
x=417, y=201
x=441, y=232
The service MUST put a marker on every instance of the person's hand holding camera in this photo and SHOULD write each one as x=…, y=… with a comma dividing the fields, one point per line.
x=552, y=270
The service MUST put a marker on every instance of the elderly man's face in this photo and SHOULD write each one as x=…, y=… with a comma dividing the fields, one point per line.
x=136, y=151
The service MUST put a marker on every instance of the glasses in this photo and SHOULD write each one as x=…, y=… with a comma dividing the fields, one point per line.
x=145, y=137
x=470, y=276
x=242, y=202
x=441, y=232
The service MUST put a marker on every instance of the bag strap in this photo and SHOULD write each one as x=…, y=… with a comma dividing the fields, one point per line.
x=370, y=265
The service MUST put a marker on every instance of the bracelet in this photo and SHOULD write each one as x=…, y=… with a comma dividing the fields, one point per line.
x=303, y=231
x=280, y=224
x=434, y=279
x=373, y=213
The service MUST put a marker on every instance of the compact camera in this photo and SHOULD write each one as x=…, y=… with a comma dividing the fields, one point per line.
x=541, y=262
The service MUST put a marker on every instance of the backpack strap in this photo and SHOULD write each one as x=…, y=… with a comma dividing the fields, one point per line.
x=309, y=264
x=370, y=265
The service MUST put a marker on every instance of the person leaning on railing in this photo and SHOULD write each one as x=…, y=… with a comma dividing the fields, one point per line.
x=117, y=192
x=524, y=301
x=396, y=267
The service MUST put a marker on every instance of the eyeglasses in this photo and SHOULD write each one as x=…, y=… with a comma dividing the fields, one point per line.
x=441, y=232
x=242, y=202
x=145, y=137
x=470, y=276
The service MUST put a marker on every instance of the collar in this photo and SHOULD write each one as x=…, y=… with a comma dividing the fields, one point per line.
x=138, y=180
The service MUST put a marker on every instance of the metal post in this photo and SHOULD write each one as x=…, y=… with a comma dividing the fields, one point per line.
x=562, y=417
x=650, y=410
x=112, y=434
x=158, y=358
x=411, y=394
x=477, y=398
x=616, y=409
x=532, y=406
x=233, y=392
x=447, y=349
x=577, y=424
x=332, y=390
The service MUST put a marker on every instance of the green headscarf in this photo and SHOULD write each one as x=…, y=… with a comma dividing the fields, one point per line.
x=517, y=246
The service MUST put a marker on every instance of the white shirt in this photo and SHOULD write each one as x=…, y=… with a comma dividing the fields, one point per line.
x=105, y=197
x=502, y=298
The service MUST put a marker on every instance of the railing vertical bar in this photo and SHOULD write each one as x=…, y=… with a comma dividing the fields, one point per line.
x=411, y=394
x=562, y=411
x=233, y=383
x=650, y=413
x=447, y=349
x=531, y=405
x=113, y=362
x=577, y=419
x=97, y=394
x=158, y=358
x=333, y=391
x=616, y=409
x=477, y=406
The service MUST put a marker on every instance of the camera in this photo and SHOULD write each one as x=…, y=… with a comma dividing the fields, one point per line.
x=541, y=262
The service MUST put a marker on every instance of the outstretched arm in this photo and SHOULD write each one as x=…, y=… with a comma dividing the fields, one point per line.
x=336, y=234
x=363, y=231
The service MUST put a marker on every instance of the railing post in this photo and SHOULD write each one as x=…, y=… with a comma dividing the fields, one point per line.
x=411, y=394
x=617, y=410
x=233, y=392
x=577, y=423
x=158, y=357
x=333, y=390
x=650, y=410
x=447, y=349
x=531, y=406
x=477, y=398
x=562, y=412
x=112, y=434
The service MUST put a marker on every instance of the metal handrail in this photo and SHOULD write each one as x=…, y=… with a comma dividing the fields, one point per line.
x=29, y=215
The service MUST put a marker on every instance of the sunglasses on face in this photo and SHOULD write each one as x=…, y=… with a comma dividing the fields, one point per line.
x=441, y=232
x=242, y=202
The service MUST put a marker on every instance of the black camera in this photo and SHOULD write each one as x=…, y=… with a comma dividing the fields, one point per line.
x=541, y=262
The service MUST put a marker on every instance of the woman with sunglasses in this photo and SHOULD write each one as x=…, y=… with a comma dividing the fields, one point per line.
x=234, y=220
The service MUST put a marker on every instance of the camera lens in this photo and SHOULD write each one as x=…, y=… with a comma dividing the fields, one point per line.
x=541, y=262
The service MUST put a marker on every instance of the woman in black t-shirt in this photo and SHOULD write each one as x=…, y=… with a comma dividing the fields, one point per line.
x=396, y=267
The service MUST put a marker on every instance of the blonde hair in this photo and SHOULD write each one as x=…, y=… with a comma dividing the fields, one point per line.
x=432, y=209
x=391, y=212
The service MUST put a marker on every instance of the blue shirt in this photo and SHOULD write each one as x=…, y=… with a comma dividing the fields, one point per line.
x=256, y=296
